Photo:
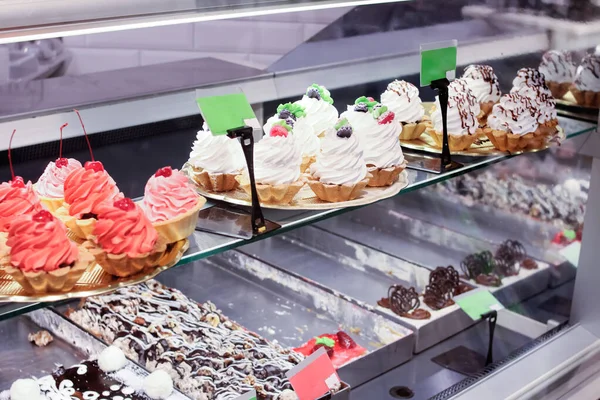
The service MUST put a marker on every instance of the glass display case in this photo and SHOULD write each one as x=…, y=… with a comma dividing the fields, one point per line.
x=418, y=278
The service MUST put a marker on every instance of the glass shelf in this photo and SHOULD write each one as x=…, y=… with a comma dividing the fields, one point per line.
x=204, y=244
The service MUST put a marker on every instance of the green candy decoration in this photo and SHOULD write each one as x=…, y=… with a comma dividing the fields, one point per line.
x=324, y=93
x=325, y=341
x=296, y=109
x=365, y=100
x=282, y=123
x=340, y=123
x=379, y=111
x=569, y=234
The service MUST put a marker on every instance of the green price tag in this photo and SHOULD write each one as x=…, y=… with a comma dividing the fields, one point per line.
x=438, y=61
x=477, y=302
x=230, y=111
x=571, y=253
x=251, y=395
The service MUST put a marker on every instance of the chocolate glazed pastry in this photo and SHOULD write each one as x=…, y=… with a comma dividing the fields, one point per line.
x=443, y=284
x=480, y=268
x=404, y=302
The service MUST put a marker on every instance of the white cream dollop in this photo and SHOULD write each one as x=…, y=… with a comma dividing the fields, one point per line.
x=588, y=74
x=483, y=83
x=557, y=66
x=158, y=385
x=402, y=98
x=513, y=114
x=319, y=114
x=304, y=136
x=380, y=142
x=25, y=389
x=277, y=160
x=111, y=359
x=340, y=161
x=217, y=154
x=287, y=394
x=463, y=109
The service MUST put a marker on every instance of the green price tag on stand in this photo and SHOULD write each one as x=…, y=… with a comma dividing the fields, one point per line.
x=229, y=111
x=438, y=61
x=477, y=302
x=251, y=395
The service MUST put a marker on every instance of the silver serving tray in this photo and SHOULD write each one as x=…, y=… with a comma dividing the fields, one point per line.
x=360, y=274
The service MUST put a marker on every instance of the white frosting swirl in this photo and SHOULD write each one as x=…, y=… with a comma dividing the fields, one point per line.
x=277, y=160
x=528, y=77
x=557, y=66
x=341, y=161
x=588, y=74
x=217, y=154
x=402, y=98
x=380, y=142
x=463, y=109
x=514, y=114
x=483, y=83
x=51, y=183
x=308, y=143
x=320, y=114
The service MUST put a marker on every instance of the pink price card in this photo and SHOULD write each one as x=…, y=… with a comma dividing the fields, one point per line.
x=314, y=377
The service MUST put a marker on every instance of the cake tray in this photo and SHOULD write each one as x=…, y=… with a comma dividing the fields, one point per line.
x=482, y=147
x=306, y=199
x=94, y=281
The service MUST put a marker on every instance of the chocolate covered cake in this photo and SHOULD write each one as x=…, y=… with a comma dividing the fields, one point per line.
x=207, y=355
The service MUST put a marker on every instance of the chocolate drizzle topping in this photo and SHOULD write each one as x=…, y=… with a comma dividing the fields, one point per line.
x=480, y=267
x=487, y=74
x=208, y=355
x=404, y=302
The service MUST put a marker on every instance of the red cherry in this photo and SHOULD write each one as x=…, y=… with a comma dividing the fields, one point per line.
x=95, y=166
x=278, y=130
x=164, y=171
x=370, y=99
x=61, y=162
x=17, y=182
x=386, y=118
x=43, y=216
x=345, y=340
x=125, y=204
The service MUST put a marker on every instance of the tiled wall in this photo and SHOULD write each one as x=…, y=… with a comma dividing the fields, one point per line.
x=256, y=42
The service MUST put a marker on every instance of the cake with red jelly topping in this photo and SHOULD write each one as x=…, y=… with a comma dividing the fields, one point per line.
x=86, y=189
x=171, y=204
x=41, y=257
x=340, y=347
x=124, y=242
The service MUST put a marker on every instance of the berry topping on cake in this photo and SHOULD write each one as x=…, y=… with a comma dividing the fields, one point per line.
x=164, y=171
x=290, y=122
x=319, y=92
x=344, y=132
x=345, y=340
x=368, y=101
x=386, y=118
x=43, y=216
x=313, y=93
x=285, y=114
x=17, y=182
x=361, y=107
x=280, y=128
x=324, y=342
x=125, y=204
x=95, y=166
x=61, y=162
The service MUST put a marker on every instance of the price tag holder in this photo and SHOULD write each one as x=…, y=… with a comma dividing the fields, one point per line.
x=314, y=377
x=477, y=303
x=226, y=112
x=251, y=395
x=571, y=253
x=438, y=61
